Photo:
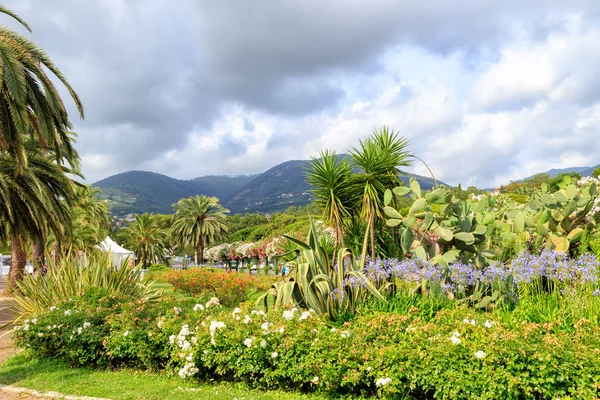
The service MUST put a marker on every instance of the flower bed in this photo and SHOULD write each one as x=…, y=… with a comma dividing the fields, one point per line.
x=230, y=287
x=457, y=354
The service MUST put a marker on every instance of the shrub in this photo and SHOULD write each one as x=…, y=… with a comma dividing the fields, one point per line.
x=72, y=278
x=230, y=287
x=458, y=353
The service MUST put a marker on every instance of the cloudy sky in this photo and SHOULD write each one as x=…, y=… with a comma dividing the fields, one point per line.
x=485, y=90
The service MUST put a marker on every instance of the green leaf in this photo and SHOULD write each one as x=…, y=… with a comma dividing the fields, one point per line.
x=520, y=223
x=571, y=191
x=450, y=256
x=444, y=233
x=428, y=220
x=416, y=188
x=387, y=197
x=480, y=230
x=534, y=205
x=393, y=222
x=401, y=191
x=407, y=240
x=544, y=187
x=391, y=212
x=561, y=197
x=575, y=235
x=420, y=252
x=418, y=205
x=465, y=237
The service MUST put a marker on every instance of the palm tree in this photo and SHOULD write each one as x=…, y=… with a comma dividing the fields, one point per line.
x=329, y=175
x=199, y=221
x=34, y=198
x=378, y=159
x=29, y=102
x=90, y=223
x=146, y=238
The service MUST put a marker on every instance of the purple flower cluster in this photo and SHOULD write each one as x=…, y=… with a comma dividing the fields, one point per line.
x=524, y=269
x=554, y=266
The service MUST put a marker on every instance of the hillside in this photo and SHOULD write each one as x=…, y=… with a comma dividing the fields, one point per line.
x=141, y=191
x=584, y=171
x=274, y=190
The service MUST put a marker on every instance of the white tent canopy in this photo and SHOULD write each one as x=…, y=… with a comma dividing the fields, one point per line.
x=119, y=254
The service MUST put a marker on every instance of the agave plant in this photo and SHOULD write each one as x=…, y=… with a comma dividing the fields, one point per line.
x=318, y=284
x=72, y=276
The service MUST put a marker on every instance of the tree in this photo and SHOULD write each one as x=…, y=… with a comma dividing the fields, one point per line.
x=329, y=175
x=146, y=238
x=378, y=160
x=199, y=221
x=29, y=102
x=34, y=198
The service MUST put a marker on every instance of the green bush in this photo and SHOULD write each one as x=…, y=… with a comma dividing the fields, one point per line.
x=457, y=353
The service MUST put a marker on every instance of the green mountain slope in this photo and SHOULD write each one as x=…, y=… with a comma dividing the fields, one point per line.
x=274, y=190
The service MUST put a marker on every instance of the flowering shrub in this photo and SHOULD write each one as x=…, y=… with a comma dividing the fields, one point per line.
x=458, y=354
x=231, y=287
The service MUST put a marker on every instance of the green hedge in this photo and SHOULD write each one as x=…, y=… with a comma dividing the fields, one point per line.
x=456, y=354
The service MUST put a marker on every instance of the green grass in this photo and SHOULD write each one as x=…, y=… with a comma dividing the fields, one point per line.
x=50, y=375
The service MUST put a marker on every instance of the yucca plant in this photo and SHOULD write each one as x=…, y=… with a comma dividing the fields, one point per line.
x=315, y=283
x=73, y=276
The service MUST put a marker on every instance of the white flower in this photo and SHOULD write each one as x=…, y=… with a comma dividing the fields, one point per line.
x=26, y=327
x=79, y=330
x=214, y=325
x=281, y=330
x=160, y=323
x=198, y=307
x=274, y=354
x=480, y=354
x=368, y=369
x=248, y=342
x=189, y=358
x=265, y=326
x=189, y=369
x=314, y=380
x=236, y=311
x=67, y=312
x=305, y=315
x=263, y=343
x=86, y=324
x=176, y=310
x=456, y=334
x=194, y=340
x=333, y=329
x=288, y=314
x=186, y=345
x=213, y=302
x=126, y=333
x=455, y=340
x=172, y=339
x=247, y=319
x=40, y=334
x=489, y=324
x=382, y=382
x=34, y=321
x=469, y=322
x=53, y=308
x=345, y=334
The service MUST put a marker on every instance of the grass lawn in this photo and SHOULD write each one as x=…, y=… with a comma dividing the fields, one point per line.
x=50, y=375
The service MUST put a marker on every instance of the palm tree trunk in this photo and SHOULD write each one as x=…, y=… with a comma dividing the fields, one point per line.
x=372, y=224
x=199, y=251
x=18, y=260
x=39, y=259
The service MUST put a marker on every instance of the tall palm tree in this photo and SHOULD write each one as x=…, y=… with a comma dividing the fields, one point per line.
x=378, y=159
x=199, y=221
x=329, y=175
x=146, y=238
x=29, y=102
x=33, y=198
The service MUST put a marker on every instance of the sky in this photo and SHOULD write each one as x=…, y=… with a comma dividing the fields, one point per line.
x=486, y=91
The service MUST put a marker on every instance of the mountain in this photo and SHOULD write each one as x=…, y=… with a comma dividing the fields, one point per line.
x=584, y=171
x=141, y=191
x=274, y=190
